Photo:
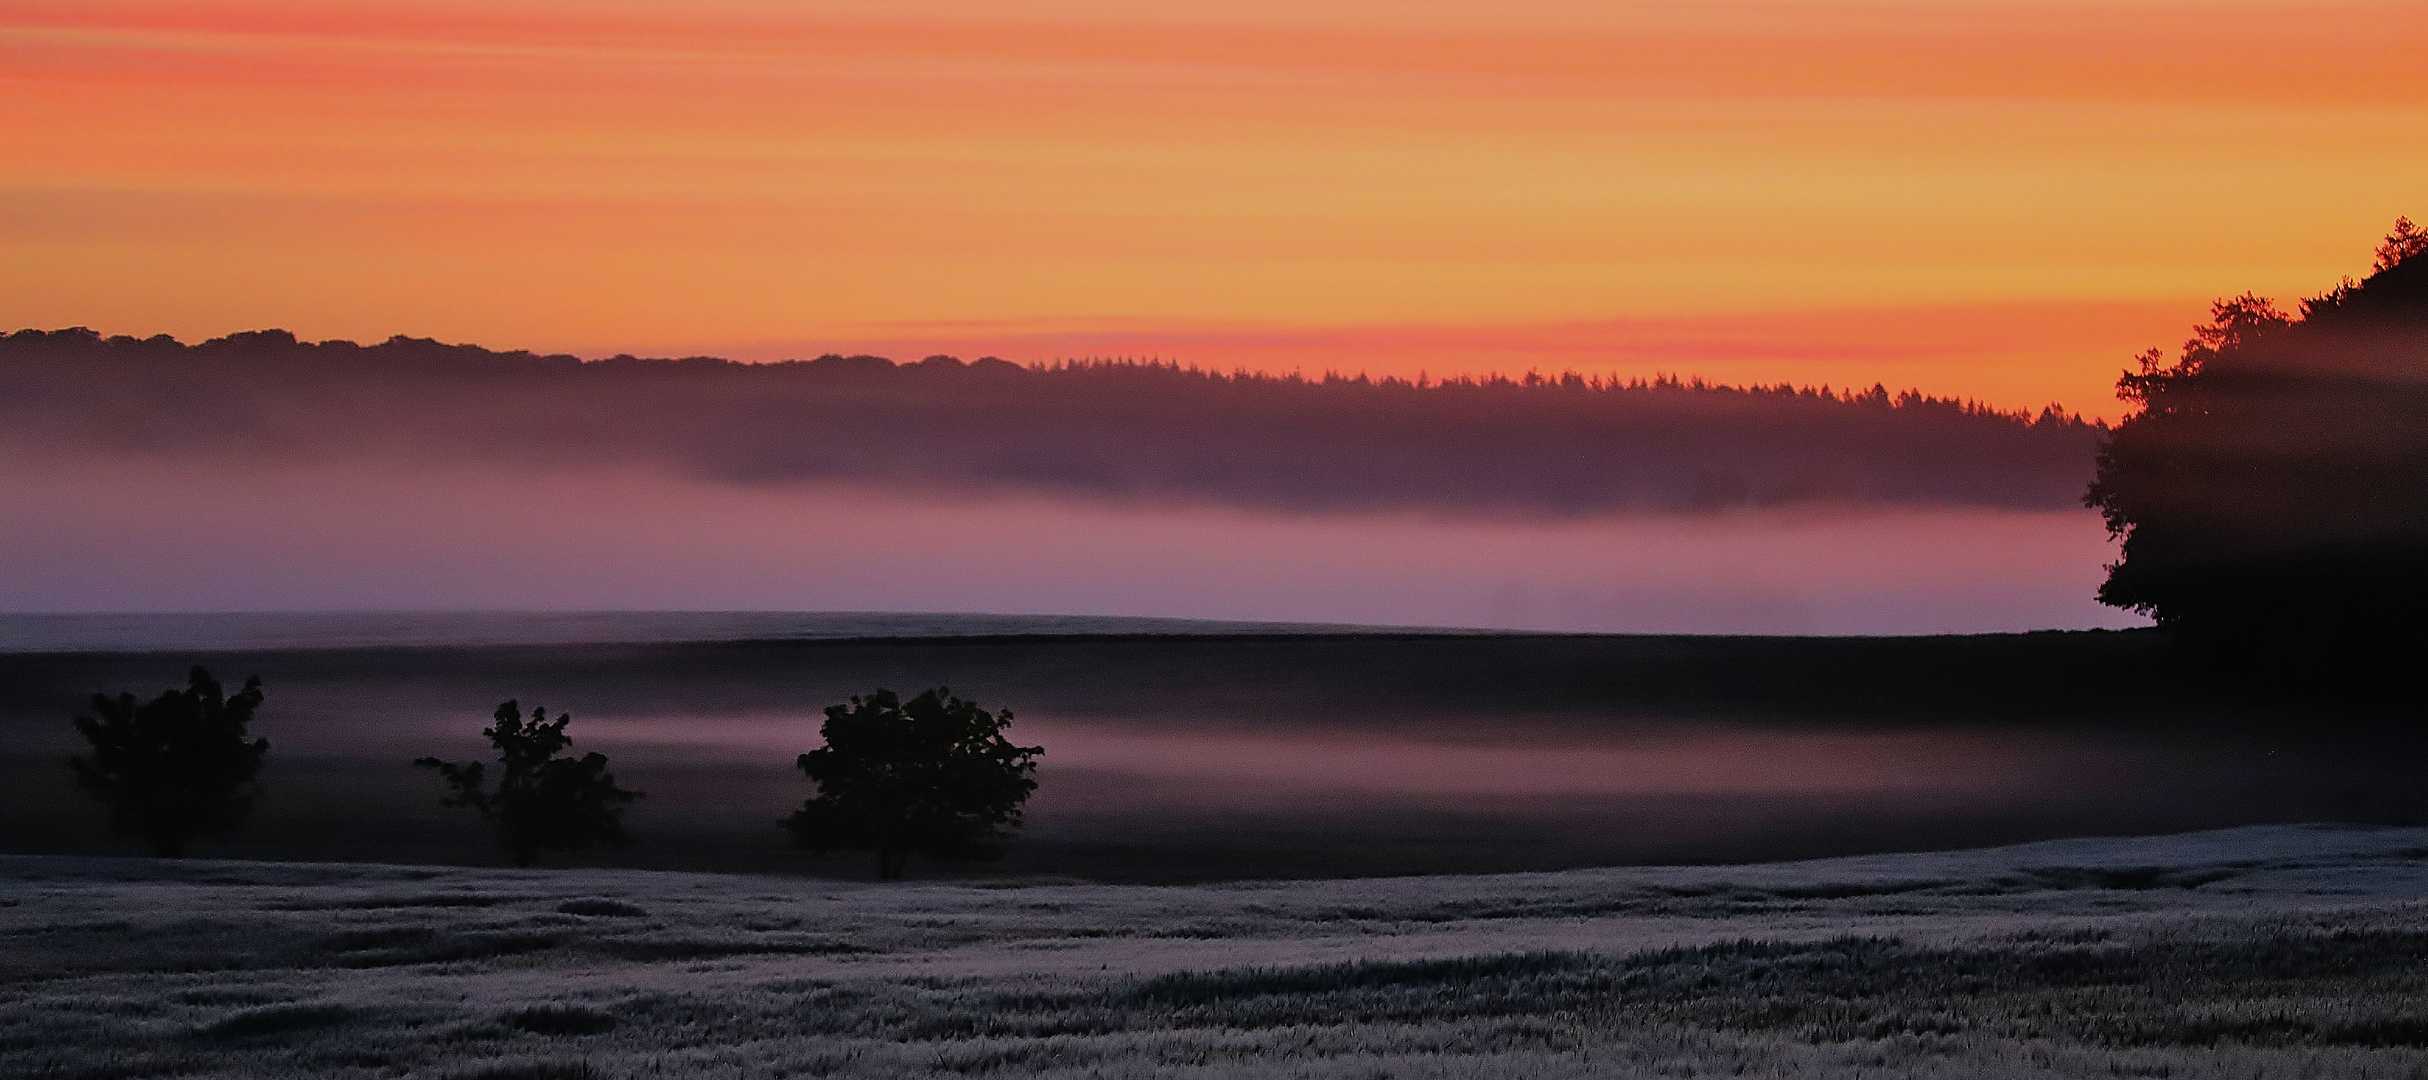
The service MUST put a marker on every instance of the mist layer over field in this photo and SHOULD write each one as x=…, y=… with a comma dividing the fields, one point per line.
x=181, y=535
x=259, y=472
x=1190, y=758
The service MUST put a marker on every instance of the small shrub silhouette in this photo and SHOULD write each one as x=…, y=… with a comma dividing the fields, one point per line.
x=177, y=767
x=932, y=776
x=542, y=802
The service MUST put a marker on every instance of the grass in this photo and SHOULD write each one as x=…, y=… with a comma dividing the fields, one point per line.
x=2260, y=953
x=275, y=1020
x=595, y=906
x=560, y=1020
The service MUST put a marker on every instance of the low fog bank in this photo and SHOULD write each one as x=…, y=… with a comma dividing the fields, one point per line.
x=247, y=631
x=1173, y=758
x=1535, y=447
x=185, y=534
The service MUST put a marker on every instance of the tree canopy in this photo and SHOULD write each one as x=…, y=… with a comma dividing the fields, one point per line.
x=177, y=767
x=2271, y=488
x=932, y=776
x=542, y=802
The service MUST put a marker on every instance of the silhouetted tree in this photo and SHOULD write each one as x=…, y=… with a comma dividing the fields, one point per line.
x=932, y=776
x=177, y=767
x=542, y=802
x=2271, y=488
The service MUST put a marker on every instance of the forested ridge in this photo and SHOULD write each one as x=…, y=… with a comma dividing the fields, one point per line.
x=1536, y=445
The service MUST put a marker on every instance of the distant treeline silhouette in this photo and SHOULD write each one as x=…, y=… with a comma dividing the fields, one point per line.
x=1109, y=429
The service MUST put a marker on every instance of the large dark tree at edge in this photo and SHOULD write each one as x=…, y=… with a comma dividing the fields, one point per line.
x=2271, y=488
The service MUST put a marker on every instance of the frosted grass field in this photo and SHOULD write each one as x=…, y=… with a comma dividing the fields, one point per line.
x=2279, y=951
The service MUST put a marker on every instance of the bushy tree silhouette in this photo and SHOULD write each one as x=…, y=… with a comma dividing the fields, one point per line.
x=177, y=767
x=2269, y=486
x=931, y=776
x=542, y=802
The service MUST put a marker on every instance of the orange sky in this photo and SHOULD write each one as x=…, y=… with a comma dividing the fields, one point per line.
x=2002, y=200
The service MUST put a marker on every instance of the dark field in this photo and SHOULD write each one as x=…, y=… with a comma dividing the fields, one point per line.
x=1177, y=758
